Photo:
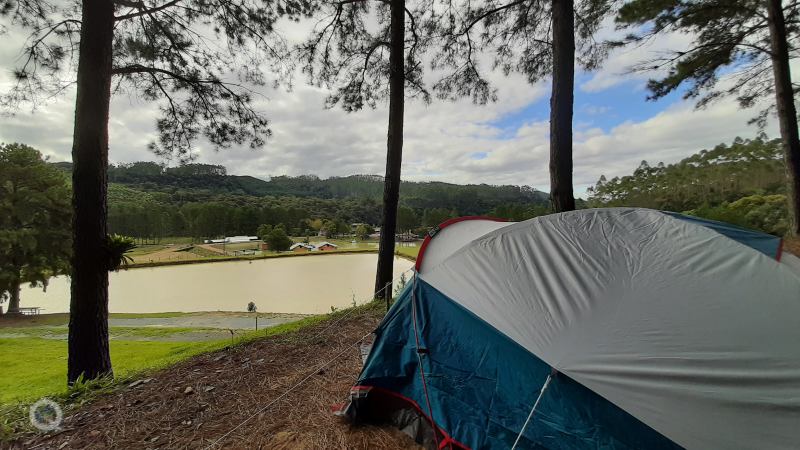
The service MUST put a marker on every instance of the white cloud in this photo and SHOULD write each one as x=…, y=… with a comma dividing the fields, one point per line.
x=441, y=139
x=616, y=69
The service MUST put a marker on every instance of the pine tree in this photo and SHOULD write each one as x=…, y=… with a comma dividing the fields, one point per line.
x=742, y=49
x=538, y=39
x=197, y=58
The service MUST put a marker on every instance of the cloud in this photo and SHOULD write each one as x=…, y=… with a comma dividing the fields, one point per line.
x=449, y=141
x=616, y=69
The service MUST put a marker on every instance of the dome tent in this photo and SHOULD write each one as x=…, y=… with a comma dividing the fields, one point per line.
x=625, y=327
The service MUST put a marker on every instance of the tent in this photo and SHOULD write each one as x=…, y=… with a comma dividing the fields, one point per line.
x=614, y=328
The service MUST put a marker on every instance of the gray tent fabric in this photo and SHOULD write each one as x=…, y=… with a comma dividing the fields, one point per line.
x=691, y=332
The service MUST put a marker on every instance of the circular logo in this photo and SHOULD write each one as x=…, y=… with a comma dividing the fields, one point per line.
x=46, y=415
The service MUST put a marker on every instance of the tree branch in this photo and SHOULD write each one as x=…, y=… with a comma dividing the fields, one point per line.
x=142, y=8
x=489, y=13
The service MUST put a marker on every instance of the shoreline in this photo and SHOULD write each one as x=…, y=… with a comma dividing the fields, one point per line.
x=252, y=258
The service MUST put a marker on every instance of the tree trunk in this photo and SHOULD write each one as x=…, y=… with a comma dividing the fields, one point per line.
x=88, y=322
x=561, y=100
x=394, y=151
x=13, y=303
x=787, y=113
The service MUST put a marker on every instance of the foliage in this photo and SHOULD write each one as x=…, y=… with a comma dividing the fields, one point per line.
x=35, y=218
x=767, y=213
x=263, y=231
x=199, y=59
x=517, y=33
x=329, y=228
x=401, y=284
x=732, y=44
x=363, y=231
x=518, y=212
x=251, y=307
x=742, y=183
x=435, y=216
x=724, y=173
x=152, y=204
x=118, y=248
x=406, y=219
x=348, y=53
x=278, y=240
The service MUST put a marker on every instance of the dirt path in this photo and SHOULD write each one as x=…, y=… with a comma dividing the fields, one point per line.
x=174, y=253
x=211, y=248
x=196, y=402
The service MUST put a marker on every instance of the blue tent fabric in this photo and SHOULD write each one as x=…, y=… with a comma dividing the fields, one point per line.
x=482, y=384
x=765, y=243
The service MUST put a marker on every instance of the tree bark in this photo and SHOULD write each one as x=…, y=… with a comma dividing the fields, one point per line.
x=787, y=112
x=13, y=303
x=561, y=102
x=88, y=322
x=394, y=150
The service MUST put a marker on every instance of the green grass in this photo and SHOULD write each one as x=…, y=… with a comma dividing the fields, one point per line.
x=161, y=315
x=410, y=252
x=34, y=367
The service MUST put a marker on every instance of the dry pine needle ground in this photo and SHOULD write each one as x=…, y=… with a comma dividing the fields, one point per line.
x=196, y=402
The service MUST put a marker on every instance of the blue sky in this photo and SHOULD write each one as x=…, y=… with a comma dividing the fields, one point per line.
x=603, y=109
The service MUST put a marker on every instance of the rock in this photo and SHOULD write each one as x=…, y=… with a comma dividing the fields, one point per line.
x=94, y=433
x=209, y=388
x=188, y=390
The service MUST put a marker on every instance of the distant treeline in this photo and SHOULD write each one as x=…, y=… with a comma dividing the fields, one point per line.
x=743, y=183
x=150, y=201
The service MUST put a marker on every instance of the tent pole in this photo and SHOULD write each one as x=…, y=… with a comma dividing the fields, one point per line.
x=530, y=414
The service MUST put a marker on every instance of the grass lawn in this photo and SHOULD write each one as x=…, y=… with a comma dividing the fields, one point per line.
x=410, y=252
x=34, y=367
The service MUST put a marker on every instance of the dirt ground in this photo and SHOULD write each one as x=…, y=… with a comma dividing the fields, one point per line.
x=195, y=403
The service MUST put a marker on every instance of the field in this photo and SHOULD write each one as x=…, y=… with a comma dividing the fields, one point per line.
x=33, y=351
x=228, y=387
x=178, y=250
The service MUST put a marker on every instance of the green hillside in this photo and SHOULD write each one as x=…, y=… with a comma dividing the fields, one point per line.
x=743, y=183
x=149, y=201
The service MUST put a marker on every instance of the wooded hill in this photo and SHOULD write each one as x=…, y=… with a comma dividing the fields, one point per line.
x=743, y=183
x=147, y=200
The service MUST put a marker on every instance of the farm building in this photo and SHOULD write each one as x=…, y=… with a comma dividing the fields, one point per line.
x=232, y=240
x=301, y=247
x=326, y=247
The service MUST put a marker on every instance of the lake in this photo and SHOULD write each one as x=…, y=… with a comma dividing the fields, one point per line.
x=303, y=285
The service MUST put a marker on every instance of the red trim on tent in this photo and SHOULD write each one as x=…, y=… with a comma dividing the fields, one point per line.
x=444, y=225
x=448, y=440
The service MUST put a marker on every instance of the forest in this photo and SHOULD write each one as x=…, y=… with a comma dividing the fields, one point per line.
x=743, y=183
x=148, y=201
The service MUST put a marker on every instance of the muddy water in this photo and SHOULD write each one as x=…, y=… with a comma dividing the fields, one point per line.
x=304, y=285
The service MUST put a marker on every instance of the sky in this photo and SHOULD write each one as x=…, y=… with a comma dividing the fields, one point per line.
x=505, y=142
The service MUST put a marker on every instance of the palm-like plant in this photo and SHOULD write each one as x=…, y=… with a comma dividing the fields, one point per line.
x=117, y=248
